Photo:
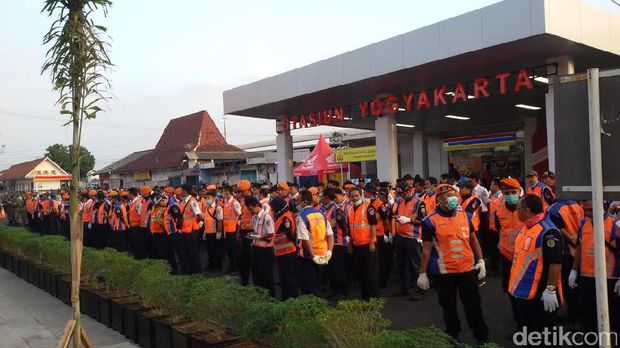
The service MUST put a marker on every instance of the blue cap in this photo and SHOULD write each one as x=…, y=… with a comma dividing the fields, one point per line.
x=463, y=180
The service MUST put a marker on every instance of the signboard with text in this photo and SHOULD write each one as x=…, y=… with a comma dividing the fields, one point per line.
x=356, y=154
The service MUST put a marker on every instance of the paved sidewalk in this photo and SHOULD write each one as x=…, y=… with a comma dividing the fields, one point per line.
x=30, y=317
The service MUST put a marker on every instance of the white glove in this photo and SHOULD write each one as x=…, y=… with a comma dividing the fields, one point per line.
x=617, y=288
x=391, y=199
x=327, y=256
x=550, y=301
x=317, y=260
x=386, y=239
x=423, y=282
x=482, y=271
x=204, y=236
x=218, y=235
x=391, y=238
x=404, y=220
x=348, y=239
x=572, y=279
x=90, y=225
x=200, y=224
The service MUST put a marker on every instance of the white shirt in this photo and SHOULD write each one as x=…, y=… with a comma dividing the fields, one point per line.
x=219, y=212
x=483, y=195
x=265, y=204
x=138, y=205
x=263, y=225
x=193, y=205
x=237, y=206
x=302, y=230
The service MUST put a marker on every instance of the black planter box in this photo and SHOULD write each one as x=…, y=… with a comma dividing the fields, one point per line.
x=84, y=307
x=163, y=332
x=48, y=281
x=207, y=340
x=181, y=335
x=105, y=308
x=130, y=320
x=2, y=259
x=117, y=305
x=53, y=279
x=93, y=304
x=30, y=273
x=64, y=289
x=146, y=328
x=15, y=268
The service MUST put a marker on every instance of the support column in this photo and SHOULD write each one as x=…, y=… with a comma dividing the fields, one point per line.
x=437, y=158
x=405, y=150
x=565, y=66
x=420, y=154
x=387, y=148
x=284, y=146
x=529, y=129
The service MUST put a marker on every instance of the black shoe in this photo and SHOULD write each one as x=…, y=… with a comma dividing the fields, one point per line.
x=401, y=292
x=417, y=295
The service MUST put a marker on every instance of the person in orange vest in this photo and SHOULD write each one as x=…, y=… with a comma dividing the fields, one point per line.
x=157, y=226
x=382, y=232
x=470, y=203
x=548, y=178
x=283, y=191
x=566, y=215
x=142, y=240
x=100, y=227
x=173, y=223
x=584, y=267
x=429, y=196
x=45, y=207
x=245, y=229
x=506, y=224
x=452, y=253
x=30, y=207
x=336, y=209
x=539, y=189
x=118, y=222
x=232, y=211
x=213, y=229
x=316, y=199
x=86, y=207
x=316, y=242
x=363, y=219
x=284, y=247
x=64, y=216
x=135, y=234
x=536, y=267
x=262, y=237
x=186, y=243
x=408, y=216
x=293, y=193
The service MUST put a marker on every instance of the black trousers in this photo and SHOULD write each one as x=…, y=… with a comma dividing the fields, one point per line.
x=88, y=236
x=466, y=285
x=171, y=242
x=45, y=224
x=187, y=251
x=408, y=255
x=337, y=268
x=307, y=276
x=53, y=224
x=531, y=313
x=30, y=219
x=385, y=258
x=137, y=242
x=571, y=296
x=245, y=257
x=214, y=251
x=231, y=251
x=505, y=266
x=286, y=271
x=65, y=228
x=101, y=237
x=587, y=305
x=262, y=269
x=118, y=240
x=366, y=265
x=160, y=246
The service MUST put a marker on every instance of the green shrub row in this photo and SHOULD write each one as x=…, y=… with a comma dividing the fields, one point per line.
x=306, y=321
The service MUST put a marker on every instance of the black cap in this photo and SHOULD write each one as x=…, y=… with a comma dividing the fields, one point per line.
x=371, y=187
x=407, y=177
x=251, y=201
x=548, y=174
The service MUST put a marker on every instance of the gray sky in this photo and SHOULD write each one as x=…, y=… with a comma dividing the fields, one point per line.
x=172, y=60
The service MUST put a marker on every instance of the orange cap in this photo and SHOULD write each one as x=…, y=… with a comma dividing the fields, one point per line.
x=169, y=190
x=282, y=185
x=313, y=190
x=509, y=183
x=112, y=193
x=124, y=193
x=211, y=188
x=177, y=191
x=145, y=190
x=441, y=188
x=92, y=193
x=244, y=185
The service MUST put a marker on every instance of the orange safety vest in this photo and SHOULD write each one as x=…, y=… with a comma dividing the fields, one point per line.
x=359, y=228
x=408, y=230
x=210, y=220
x=117, y=221
x=316, y=223
x=87, y=211
x=196, y=225
x=281, y=244
x=451, y=251
x=46, y=206
x=231, y=218
x=509, y=228
x=586, y=238
x=134, y=216
x=475, y=216
x=246, y=216
x=538, y=191
x=430, y=202
x=187, y=214
x=571, y=214
x=101, y=215
x=494, y=203
x=30, y=206
x=170, y=223
x=144, y=213
x=527, y=262
x=158, y=222
x=380, y=229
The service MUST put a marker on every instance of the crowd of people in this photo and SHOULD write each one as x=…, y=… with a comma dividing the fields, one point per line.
x=448, y=233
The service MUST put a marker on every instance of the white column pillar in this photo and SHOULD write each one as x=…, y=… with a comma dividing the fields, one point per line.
x=436, y=158
x=420, y=154
x=284, y=147
x=387, y=149
x=565, y=66
x=529, y=129
x=405, y=150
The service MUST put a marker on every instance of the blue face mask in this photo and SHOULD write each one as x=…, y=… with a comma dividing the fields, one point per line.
x=357, y=203
x=452, y=203
x=299, y=208
x=511, y=199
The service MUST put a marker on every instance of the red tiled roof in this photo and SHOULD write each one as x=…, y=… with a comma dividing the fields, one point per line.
x=195, y=132
x=20, y=170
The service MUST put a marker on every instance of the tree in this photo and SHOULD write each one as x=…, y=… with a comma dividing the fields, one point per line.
x=61, y=154
x=77, y=61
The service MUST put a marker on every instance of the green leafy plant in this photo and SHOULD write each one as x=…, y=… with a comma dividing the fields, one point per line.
x=424, y=337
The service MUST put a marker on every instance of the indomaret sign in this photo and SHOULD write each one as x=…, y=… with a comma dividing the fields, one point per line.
x=424, y=99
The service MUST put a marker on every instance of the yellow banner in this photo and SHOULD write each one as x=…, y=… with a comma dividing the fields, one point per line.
x=357, y=154
x=142, y=176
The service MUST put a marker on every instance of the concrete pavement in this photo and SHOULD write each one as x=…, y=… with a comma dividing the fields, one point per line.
x=30, y=317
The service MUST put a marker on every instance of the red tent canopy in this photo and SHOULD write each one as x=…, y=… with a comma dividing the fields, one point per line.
x=320, y=161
